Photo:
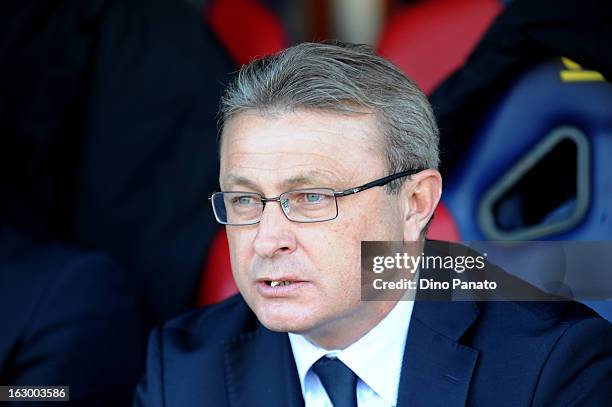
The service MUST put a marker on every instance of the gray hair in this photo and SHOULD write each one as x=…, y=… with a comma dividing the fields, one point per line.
x=344, y=78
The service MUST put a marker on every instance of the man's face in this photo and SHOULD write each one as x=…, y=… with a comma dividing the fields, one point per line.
x=305, y=149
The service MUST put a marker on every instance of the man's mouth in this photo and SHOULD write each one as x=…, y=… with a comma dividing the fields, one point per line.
x=275, y=283
x=280, y=287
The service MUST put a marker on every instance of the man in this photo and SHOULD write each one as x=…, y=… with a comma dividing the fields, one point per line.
x=324, y=146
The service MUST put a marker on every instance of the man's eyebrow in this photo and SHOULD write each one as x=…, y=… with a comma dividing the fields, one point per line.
x=232, y=180
x=313, y=178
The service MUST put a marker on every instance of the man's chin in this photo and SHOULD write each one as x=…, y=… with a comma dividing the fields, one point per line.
x=283, y=321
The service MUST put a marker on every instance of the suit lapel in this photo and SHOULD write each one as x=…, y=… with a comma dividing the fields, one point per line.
x=437, y=370
x=260, y=370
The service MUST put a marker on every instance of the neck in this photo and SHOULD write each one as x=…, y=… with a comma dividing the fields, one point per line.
x=340, y=334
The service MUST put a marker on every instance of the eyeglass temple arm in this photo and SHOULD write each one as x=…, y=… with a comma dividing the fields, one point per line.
x=377, y=183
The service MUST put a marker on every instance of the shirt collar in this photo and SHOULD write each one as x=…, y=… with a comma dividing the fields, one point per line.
x=376, y=357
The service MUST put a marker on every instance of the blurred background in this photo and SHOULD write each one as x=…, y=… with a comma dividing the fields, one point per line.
x=108, y=127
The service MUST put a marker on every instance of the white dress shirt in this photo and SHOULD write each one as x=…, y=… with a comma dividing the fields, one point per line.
x=376, y=359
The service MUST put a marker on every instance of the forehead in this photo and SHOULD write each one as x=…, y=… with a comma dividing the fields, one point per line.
x=306, y=145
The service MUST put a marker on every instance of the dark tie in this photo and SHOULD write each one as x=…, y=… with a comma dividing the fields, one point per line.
x=339, y=381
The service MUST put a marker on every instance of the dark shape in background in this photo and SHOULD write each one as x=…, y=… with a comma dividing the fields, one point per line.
x=109, y=134
x=149, y=160
x=526, y=33
x=68, y=318
x=46, y=51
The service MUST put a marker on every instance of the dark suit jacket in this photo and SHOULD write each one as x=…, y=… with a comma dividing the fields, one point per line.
x=457, y=353
x=67, y=318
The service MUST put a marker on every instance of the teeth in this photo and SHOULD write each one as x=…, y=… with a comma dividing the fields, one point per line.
x=277, y=283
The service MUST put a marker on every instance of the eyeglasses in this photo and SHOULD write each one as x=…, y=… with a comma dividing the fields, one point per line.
x=309, y=205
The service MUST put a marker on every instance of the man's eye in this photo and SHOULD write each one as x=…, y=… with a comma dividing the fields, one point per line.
x=313, y=198
x=244, y=200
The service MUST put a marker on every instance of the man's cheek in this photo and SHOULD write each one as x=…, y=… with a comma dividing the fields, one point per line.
x=342, y=233
x=241, y=272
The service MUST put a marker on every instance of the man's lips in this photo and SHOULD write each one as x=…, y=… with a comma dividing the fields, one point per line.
x=275, y=287
x=279, y=279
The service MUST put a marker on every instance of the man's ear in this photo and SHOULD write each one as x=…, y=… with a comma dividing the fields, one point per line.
x=419, y=197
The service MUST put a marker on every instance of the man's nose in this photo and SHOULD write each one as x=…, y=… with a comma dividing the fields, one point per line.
x=274, y=233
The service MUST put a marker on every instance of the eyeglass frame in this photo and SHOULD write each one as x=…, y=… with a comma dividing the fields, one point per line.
x=337, y=194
